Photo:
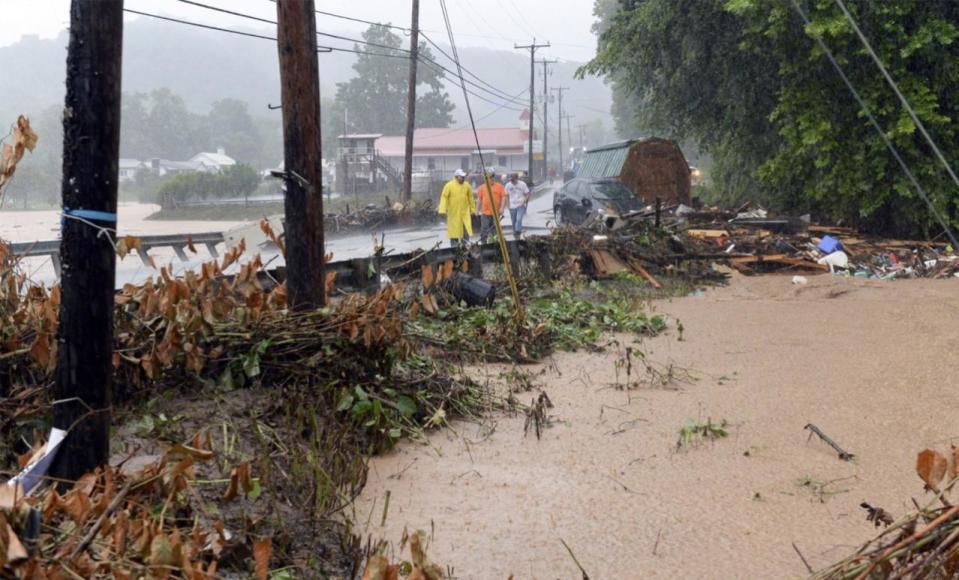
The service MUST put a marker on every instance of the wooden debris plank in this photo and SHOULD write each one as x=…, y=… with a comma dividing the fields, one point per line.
x=639, y=269
x=707, y=234
x=607, y=264
x=782, y=259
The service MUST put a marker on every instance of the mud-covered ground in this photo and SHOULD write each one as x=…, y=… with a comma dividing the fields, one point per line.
x=871, y=363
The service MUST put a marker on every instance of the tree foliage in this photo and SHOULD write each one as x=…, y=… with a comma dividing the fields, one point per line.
x=746, y=81
x=375, y=99
x=237, y=181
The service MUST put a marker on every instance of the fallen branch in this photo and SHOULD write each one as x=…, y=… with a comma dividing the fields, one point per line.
x=843, y=454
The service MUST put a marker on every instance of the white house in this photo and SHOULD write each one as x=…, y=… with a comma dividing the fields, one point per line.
x=129, y=168
x=213, y=162
x=205, y=161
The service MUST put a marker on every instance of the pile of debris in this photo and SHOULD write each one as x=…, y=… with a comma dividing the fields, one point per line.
x=756, y=242
x=759, y=242
x=374, y=218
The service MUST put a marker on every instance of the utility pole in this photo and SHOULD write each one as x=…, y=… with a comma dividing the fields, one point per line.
x=582, y=129
x=302, y=154
x=411, y=103
x=91, y=154
x=545, y=64
x=532, y=96
x=561, y=90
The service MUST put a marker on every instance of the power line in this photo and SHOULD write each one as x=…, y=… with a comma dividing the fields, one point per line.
x=877, y=127
x=197, y=24
x=514, y=290
x=480, y=79
x=483, y=118
x=403, y=52
x=273, y=22
x=324, y=49
x=895, y=87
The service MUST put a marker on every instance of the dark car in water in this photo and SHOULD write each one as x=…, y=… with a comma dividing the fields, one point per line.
x=582, y=201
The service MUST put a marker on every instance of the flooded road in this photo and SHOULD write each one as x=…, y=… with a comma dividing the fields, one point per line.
x=31, y=226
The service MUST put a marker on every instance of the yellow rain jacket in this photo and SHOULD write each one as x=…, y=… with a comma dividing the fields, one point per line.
x=458, y=203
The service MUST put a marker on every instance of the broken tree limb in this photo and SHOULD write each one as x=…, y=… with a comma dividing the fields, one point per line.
x=843, y=454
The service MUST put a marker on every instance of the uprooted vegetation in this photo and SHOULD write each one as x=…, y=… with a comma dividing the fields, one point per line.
x=918, y=545
x=293, y=403
x=280, y=410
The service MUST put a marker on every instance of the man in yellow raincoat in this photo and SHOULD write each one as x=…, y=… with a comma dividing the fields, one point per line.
x=459, y=205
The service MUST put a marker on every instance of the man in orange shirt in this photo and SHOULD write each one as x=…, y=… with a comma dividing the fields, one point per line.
x=487, y=227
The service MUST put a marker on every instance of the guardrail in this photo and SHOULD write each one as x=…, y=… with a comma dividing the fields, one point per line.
x=178, y=242
x=357, y=274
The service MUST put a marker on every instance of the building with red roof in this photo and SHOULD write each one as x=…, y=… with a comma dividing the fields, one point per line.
x=442, y=151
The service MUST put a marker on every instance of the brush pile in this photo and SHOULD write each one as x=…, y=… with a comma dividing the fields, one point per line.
x=375, y=218
x=920, y=545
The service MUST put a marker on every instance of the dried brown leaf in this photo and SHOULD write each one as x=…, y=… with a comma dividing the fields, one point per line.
x=427, y=275
x=931, y=468
x=262, y=548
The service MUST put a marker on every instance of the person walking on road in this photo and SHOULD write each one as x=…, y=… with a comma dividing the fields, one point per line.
x=487, y=226
x=518, y=193
x=458, y=204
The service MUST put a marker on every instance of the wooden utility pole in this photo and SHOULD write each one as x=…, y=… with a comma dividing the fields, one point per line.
x=91, y=154
x=302, y=154
x=561, y=90
x=411, y=103
x=546, y=64
x=532, y=97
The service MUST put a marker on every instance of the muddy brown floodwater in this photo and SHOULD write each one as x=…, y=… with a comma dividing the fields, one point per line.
x=872, y=364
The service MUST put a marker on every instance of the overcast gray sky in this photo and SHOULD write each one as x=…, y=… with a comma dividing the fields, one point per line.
x=493, y=23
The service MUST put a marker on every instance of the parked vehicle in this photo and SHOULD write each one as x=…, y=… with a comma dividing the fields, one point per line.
x=581, y=201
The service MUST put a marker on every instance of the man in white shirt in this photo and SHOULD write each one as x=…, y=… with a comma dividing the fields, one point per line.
x=518, y=193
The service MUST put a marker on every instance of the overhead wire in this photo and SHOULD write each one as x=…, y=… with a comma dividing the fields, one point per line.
x=404, y=53
x=895, y=88
x=872, y=120
x=482, y=118
x=514, y=289
x=469, y=72
x=273, y=22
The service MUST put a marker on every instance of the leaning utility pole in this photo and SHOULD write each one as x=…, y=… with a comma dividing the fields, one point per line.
x=302, y=154
x=560, y=90
x=411, y=103
x=532, y=96
x=91, y=154
x=545, y=64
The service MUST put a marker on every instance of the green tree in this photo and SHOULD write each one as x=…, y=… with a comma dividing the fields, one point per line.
x=745, y=81
x=239, y=180
x=376, y=98
x=135, y=141
x=230, y=125
x=173, y=131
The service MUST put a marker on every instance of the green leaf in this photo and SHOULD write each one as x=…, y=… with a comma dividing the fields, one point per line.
x=346, y=401
x=406, y=405
x=362, y=408
x=255, y=490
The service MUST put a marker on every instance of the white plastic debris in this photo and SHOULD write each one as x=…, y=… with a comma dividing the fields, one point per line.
x=36, y=470
x=801, y=280
x=835, y=260
x=759, y=214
